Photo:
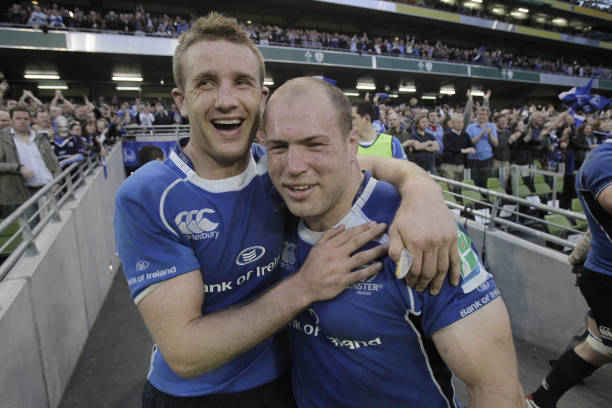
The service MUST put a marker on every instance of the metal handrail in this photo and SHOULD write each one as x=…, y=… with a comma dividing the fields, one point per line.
x=55, y=195
x=496, y=207
x=157, y=131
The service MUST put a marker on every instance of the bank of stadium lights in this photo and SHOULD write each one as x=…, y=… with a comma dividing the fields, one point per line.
x=429, y=97
x=477, y=92
x=523, y=10
x=500, y=11
x=63, y=87
x=127, y=78
x=350, y=93
x=407, y=88
x=393, y=96
x=268, y=82
x=366, y=86
x=41, y=76
x=472, y=4
x=477, y=1
x=447, y=90
x=129, y=88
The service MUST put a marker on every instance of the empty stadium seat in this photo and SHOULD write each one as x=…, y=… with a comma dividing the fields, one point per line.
x=6, y=234
x=557, y=230
x=494, y=184
x=446, y=193
x=523, y=190
x=577, y=207
x=540, y=186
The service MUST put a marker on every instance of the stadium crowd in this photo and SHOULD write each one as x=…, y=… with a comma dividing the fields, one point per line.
x=142, y=22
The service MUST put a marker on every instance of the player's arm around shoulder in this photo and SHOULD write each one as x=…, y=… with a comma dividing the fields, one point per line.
x=193, y=343
x=480, y=351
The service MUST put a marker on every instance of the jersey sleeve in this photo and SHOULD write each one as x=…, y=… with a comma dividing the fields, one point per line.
x=475, y=290
x=150, y=253
x=397, y=149
x=597, y=173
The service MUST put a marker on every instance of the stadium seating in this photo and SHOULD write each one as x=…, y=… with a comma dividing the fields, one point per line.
x=577, y=207
x=5, y=236
x=540, y=186
x=558, y=229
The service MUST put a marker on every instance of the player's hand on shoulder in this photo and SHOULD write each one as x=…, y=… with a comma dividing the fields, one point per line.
x=427, y=229
x=328, y=269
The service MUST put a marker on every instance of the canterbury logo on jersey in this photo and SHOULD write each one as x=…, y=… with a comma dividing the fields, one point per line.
x=195, y=225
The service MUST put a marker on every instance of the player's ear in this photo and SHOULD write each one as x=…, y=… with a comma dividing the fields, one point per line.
x=353, y=142
x=179, y=99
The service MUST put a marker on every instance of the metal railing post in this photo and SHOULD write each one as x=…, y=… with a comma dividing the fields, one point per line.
x=27, y=235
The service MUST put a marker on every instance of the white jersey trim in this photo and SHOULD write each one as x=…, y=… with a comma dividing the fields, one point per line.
x=433, y=378
x=354, y=217
x=161, y=205
x=235, y=183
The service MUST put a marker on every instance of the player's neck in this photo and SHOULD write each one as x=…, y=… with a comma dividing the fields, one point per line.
x=208, y=168
x=368, y=136
x=342, y=206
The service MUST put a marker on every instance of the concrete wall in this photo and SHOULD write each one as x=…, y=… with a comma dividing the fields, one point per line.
x=537, y=285
x=50, y=301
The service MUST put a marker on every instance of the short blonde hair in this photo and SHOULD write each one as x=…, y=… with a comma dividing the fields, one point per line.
x=213, y=27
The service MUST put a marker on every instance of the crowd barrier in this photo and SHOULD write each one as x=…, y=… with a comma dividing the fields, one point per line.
x=50, y=298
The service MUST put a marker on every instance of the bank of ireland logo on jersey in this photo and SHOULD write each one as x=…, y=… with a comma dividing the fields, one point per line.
x=198, y=224
x=250, y=254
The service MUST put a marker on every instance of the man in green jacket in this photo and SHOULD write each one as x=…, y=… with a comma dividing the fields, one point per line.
x=27, y=161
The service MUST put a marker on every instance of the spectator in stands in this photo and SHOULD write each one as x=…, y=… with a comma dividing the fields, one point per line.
x=43, y=124
x=162, y=117
x=27, y=162
x=72, y=148
x=458, y=145
x=16, y=15
x=484, y=137
x=37, y=17
x=148, y=153
x=423, y=145
x=395, y=126
x=535, y=138
x=582, y=143
x=91, y=139
x=501, y=152
x=5, y=120
x=370, y=143
x=145, y=117
x=435, y=129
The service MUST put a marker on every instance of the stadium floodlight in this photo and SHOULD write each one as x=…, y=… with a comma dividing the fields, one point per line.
x=127, y=78
x=407, y=88
x=477, y=1
x=129, y=88
x=429, y=97
x=268, y=82
x=523, y=10
x=53, y=86
x=48, y=75
x=366, y=86
x=447, y=90
x=349, y=93
x=393, y=96
x=477, y=92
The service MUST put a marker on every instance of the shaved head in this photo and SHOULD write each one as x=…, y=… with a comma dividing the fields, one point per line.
x=298, y=87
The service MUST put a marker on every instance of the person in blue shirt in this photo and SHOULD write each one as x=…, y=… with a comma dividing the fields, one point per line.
x=379, y=343
x=594, y=189
x=200, y=237
x=484, y=137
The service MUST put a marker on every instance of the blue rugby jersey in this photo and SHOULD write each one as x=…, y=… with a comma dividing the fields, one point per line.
x=371, y=345
x=594, y=176
x=169, y=221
